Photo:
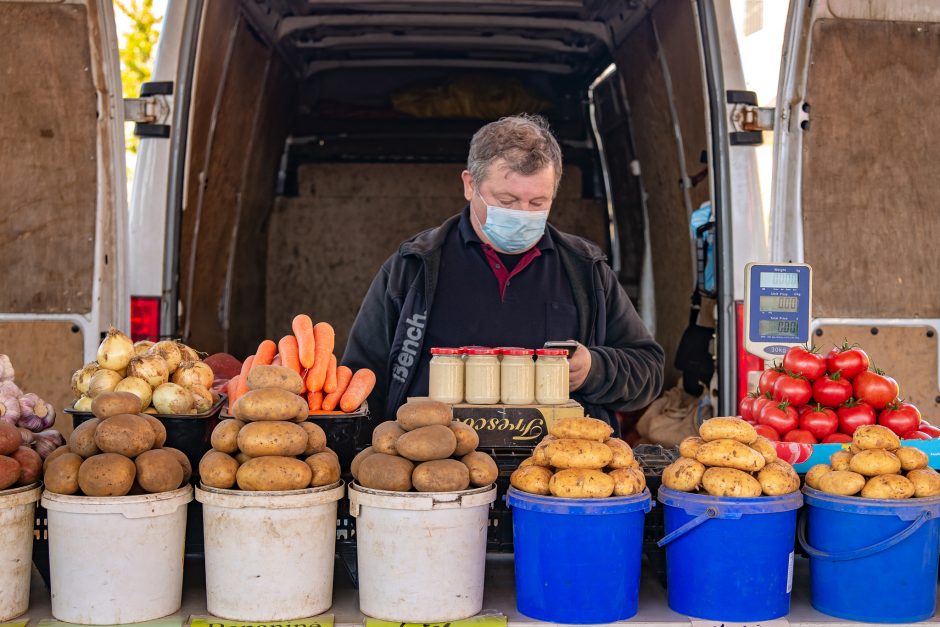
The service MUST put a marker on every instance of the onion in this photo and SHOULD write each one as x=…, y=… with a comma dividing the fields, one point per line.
x=115, y=350
x=151, y=368
x=103, y=381
x=202, y=398
x=82, y=377
x=82, y=404
x=48, y=441
x=141, y=347
x=138, y=387
x=6, y=369
x=9, y=409
x=188, y=353
x=150, y=410
x=192, y=373
x=27, y=437
x=170, y=351
x=170, y=398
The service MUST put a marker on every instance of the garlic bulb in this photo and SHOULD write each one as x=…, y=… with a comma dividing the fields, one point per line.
x=6, y=369
x=35, y=414
x=9, y=409
x=48, y=441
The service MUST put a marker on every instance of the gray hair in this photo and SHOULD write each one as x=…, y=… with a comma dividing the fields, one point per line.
x=523, y=141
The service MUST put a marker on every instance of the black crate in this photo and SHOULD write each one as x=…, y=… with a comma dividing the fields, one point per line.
x=499, y=533
x=41, y=543
x=653, y=460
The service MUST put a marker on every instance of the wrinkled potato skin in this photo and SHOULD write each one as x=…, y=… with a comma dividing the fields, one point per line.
x=279, y=439
x=766, y=448
x=684, y=474
x=623, y=454
x=628, y=481
x=869, y=437
x=442, y=475
x=423, y=413
x=581, y=483
x=384, y=437
x=426, y=444
x=730, y=482
x=107, y=474
x=532, y=479
x=874, y=462
x=361, y=455
x=689, y=447
x=61, y=476
x=842, y=482
x=82, y=438
x=385, y=472
x=926, y=482
x=225, y=435
x=273, y=474
x=124, y=434
x=730, y=454
x=888, y=487
x=482, y=467
x=218, y=470
x=840, y=460
x=586, y=454
x=467, y=438
x=912, y=458
x=325, y=469
x=158, y=471
x=814, y=474
x=581, y=429
x=727, y=428
x=270, y=404
x=778, y=478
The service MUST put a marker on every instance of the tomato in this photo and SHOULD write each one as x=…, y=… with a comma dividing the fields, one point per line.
x=875, y=388
x=929, y=429
x=832, y=390
x=798, y=435
x=798, y=360
x=837, y=438
x=803, y=410
x=900, y=417
x=781, y=418
x=821, y=422
x=854, y=414
x=768, y=432
x=852, y=361
x=793, y=389
x=745, y=407
x=916, y=435
x=767, y=379
x=759, y=404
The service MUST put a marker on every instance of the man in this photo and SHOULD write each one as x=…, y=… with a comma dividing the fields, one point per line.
x=498, y=275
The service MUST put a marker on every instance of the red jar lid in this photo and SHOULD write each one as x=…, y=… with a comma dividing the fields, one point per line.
x=515, y=351
x=479, y=350
x=445, y=351
x=551, y=352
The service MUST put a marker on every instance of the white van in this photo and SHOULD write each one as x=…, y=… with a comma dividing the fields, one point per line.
x=290, y=145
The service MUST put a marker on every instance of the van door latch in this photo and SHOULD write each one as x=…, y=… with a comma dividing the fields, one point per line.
x=152, y=111
x=748, y=121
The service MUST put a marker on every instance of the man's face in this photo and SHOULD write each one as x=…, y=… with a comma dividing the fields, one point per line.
x=504, y=188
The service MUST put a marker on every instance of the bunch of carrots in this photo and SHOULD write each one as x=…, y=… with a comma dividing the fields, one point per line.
x=331, y=389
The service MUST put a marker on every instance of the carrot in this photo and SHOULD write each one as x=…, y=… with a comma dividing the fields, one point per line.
x=343, y=375
x=314, y=400
x=326, y=412
x=242, y=380
x=360, y=386
x=290, y=357
x=324, y=338
x=231, y=385
x=277, y=360
x=329, y=386
x=303, y=331
x=265, y=353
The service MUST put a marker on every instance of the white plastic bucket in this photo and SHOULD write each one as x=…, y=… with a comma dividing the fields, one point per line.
x=17, y=522
x=116, y=560
x=422, y=556
x=269, y=555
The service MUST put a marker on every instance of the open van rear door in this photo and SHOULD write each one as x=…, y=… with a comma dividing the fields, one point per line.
x=856, y=187
x=62, y=193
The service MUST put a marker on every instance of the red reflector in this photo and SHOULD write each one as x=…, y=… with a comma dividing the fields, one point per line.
x=746, y=362
x=145, y=318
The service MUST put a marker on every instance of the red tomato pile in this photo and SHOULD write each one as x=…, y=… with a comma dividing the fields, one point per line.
x=812, y=398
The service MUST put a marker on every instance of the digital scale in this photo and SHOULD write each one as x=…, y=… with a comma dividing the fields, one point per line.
x=777, y=308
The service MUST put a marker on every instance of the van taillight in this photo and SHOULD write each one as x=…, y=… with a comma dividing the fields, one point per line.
x=747, y=363
x=145, y=318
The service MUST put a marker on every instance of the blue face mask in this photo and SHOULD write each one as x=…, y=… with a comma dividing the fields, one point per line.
x=513, y=230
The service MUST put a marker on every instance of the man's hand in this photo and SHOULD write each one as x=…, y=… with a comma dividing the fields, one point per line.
x=578, y=367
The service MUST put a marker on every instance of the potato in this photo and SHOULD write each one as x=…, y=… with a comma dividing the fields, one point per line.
x=385, y=472
x=766, y=448
x=442, y=475
x=274, y=474
x=9, y=471
x=689, y=446
x=183, y=462
x=62, y=450
x=242, y=458
x=623, y=454
x=30, y=465
x=218, y=470
x=526, y=462
x=270, y=404
x=158, y=471
x=423, y=412
x=532, y=479
x=778, y=478
x=316, y=438
x=467, y=438
x=628, y=481
x=684, y=474
x=730, y=482
x=261, y=377
x=926, y=482
x=325, y=469
x=888, y=487
x=581, y=483
x=426, y=444
x=581, y=429
x=385, y=436
x=854, y=449
x=571, y=453
x=106, y=474
x=842, y=482
x=539, y=458
x=110, y=404
x=727, y=428
x=483, y=470
x=869, y=437
x=327, y=449
x=125, y=434
x=730, y=454
x=159, y=430
x=272, y=438
x=361, y=455
x=10, y=439
x=912, y=458
x=82, y=438
x=874, y=462
x=61, y=476
x=814, y=474
x=840, y=460
x=225, y=435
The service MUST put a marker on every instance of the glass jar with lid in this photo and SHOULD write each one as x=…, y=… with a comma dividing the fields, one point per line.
x=445, y=378
x=517, y=376
x=551, y=376
x=481, y=376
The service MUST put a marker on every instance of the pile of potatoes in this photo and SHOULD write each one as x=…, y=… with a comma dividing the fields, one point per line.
x=578, y=459
x=424, y=449
x=268, y=445
x=116, y=453
x=878, y=467
x=730, y=459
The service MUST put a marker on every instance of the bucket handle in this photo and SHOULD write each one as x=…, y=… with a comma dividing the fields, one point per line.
x=863, y=552
x=708, y=514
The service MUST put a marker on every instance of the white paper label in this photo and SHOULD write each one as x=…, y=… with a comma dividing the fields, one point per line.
x=790, y=574
x=777, y=622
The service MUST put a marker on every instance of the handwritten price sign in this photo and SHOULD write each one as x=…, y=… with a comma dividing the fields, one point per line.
x=476, y=621
x=211, y=621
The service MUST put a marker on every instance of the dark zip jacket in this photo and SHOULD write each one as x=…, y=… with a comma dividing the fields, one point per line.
x=388, y=333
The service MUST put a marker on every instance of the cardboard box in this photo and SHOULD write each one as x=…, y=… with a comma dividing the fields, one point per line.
x=514, y=426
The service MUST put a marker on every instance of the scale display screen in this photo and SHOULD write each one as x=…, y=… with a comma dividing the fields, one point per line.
x=777, y=308
x=779, y=304
x=779, y=328
x=780, y=280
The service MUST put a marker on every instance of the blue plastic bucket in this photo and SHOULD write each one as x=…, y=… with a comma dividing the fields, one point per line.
x=872, y=560
x=729, y=559
x=578, y=560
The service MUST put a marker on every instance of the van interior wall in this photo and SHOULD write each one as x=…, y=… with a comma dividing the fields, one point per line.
x=662, y=74
x=326, y=244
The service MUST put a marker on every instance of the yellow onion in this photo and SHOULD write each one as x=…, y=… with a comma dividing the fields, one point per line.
x=170, y=398
x=82, y=378
x=141, y=347
x=103, y=381
x=170, y=352
x=138, y=387
x=202, y=398
x=151, y=368
x=188, y=353
x=150, y=410
x=82, y=404
x=192, y=373
x=115, y=350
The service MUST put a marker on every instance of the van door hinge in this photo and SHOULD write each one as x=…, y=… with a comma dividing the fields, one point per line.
x=152, y=111
x=748, y=120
